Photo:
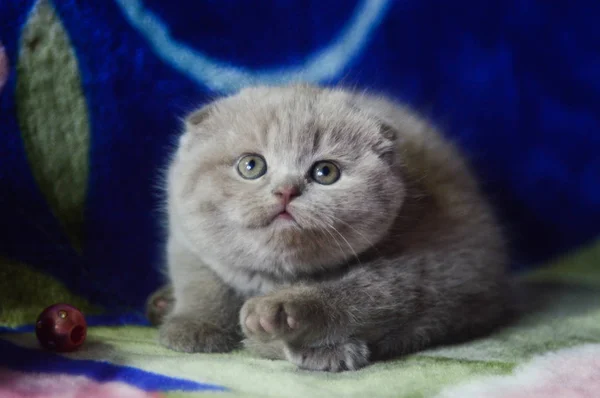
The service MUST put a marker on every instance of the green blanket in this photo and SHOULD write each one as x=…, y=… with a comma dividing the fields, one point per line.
x=565, y=321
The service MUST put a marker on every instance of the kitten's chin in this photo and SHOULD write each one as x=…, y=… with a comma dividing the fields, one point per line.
x=285, y=223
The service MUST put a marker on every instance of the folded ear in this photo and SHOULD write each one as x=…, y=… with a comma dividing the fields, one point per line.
x=387, y=146
x=194, y=121
x=382, y=111
x=195, y=127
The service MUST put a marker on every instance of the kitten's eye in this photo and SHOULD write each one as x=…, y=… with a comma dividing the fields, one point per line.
x=252, y=167
x=325, y=172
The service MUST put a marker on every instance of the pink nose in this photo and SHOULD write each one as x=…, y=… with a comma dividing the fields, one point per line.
x=287, y=193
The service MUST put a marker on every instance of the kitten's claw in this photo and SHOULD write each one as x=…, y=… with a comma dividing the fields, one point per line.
x=351, y=355
x=188, y=334
x=281, y=316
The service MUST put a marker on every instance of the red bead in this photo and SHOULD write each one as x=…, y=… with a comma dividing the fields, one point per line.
x=61, y=327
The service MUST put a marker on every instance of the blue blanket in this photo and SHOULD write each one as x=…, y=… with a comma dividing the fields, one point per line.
x=97, y=89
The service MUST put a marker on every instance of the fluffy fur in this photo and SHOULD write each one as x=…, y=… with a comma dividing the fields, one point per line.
x=400, y=253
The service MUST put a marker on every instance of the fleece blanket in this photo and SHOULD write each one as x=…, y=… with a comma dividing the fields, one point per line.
x=553, y=350
x=91, y=99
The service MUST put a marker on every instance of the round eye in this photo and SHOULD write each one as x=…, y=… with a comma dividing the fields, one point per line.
x=252, y=167
x=325, y=172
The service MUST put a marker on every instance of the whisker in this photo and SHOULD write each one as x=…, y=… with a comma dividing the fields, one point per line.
x=328, y=222
x=371, y=244
x=319, y=224
x=345, y=240
x=334, y=239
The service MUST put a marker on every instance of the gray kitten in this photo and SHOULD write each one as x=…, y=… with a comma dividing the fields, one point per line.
x=329, y=228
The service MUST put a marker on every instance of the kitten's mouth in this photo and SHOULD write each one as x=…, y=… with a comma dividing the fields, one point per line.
x=284, y=215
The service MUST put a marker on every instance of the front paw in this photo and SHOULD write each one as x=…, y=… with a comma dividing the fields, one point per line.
x=351, y=355
x=283, y=316
x=188, y=334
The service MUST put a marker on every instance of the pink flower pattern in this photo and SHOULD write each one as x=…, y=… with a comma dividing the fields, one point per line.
x=49, y=385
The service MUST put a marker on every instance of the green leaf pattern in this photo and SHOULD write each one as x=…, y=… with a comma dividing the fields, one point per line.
x=53, y=117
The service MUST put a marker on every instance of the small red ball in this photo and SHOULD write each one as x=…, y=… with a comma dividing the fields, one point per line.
x=61, y=327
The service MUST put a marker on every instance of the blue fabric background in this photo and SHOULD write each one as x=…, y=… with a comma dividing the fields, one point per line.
x=515, y=82
x=21, y=359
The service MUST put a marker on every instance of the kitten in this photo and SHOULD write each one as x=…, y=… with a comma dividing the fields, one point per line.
x=327, y=227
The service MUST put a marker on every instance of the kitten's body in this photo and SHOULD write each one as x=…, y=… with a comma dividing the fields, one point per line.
x=400, y=253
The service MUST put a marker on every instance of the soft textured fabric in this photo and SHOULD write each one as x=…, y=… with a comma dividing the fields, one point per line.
x=529, y=355
x=568, y=373
x=25, y=385
x=92, y=105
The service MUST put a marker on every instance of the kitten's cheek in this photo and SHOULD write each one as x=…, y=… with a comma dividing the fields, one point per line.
x=235, y=217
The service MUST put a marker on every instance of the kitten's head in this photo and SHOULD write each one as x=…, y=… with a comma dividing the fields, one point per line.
x=285, y=180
